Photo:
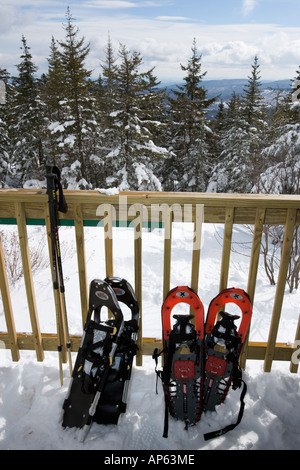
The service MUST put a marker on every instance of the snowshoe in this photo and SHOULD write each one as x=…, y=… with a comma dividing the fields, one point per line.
x=182, y=374
x=95, y=358
x=114, y=395
x=223, y=344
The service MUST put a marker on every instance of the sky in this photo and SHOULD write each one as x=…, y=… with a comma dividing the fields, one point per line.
x=228, y=34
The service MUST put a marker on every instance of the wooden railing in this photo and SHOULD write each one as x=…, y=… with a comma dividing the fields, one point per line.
x=23, y=207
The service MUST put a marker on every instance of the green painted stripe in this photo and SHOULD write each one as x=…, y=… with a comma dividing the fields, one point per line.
x=86, y=223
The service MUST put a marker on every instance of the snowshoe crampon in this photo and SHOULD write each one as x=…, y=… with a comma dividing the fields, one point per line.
x=182, y=374
x=223, y=344
x=113, y=399
x=95, y=358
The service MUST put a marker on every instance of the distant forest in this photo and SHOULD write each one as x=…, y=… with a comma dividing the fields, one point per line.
x=124, y=130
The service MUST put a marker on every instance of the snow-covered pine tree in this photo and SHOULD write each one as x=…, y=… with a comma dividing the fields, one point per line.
x=5, y=141
x=106, y=102
x=52, y=92
x=281, y=175
x=229, y=173
x=189, y=129
x=78, y=126
x=254, y=114
x=131, y=160
x=28, y=127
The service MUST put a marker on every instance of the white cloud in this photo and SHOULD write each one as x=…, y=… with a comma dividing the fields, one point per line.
x=248, y=6
x=111, y=4
x=172, y=18
x=165, y=43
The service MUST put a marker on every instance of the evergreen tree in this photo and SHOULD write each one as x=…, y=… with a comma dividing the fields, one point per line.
x=189, y=129
x=254, y=114
x=52, y=92
x=106, y=102
x=53, y=86
x=5, y=140
x=28, y=127
x=108, y=82
x=229, y=173
x=132, y=160
x=78, y=126
x=252, y=99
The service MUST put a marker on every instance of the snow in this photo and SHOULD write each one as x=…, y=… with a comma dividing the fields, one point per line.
x=32, y=398
x=109, y=192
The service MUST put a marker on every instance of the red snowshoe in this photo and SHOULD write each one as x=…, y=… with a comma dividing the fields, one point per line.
x=182, y=374
x=223, y=344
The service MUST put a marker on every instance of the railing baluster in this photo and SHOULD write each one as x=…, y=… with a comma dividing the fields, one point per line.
x=7, y=307
x=254, y=260
x=81, y=261
x=167, y=218
x=23, y=239
x=228, y=226
x=108, y=240
x=199, y=218
x=138, y=224
x=281, y=283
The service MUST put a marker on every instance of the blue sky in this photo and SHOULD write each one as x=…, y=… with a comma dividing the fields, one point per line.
x=229, y=33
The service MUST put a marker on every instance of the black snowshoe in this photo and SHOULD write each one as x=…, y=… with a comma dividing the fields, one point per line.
x=95, y=358
x=114, y=395
x=182, y=374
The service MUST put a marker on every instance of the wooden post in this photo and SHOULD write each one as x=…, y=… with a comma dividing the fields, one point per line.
x=8, y=312
x=138, y=224
x=228, y=226
x=281, y=282
x=255, y=252
x=199, y=217
x=23, y=239
x=80, y=246
x=167, y=218
x=108, y=240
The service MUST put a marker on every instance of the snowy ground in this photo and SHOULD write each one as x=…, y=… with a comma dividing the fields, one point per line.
x=31, y=397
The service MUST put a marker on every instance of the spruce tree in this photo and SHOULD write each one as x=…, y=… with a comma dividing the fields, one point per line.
x=6, y=170
x=78, y=126
x=189, y=128
x=132, y=159
x=52, y=92
x=28, y=128
x=252, y=99
x=106, y=103
x=229, y=172
x=254, y=114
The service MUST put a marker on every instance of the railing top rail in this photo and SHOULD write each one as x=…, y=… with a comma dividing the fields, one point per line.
x=245, y=205
x=148, y=197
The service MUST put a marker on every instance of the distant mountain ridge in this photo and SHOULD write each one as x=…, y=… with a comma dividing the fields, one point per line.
x=223, y=89
x=226, y=87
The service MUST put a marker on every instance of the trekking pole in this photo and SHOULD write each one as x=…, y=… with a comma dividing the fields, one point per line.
x=53, y=183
